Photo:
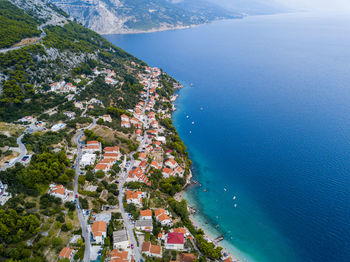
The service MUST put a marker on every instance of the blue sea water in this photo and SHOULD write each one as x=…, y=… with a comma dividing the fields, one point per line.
x=274, y=129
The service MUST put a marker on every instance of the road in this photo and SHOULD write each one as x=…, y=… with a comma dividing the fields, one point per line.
x=123, y=176
x=23, y=152
x=83, y=222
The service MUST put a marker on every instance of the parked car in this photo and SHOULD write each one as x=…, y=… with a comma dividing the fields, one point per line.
x=76, y=196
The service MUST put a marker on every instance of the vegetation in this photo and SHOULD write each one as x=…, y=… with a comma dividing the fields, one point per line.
x=15, y=25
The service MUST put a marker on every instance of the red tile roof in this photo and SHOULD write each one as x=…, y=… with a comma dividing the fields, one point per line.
x=175, y=238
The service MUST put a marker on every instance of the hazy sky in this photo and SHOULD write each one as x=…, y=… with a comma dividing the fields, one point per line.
x=318, y=5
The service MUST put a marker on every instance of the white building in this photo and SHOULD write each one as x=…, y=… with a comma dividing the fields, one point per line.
x=59, y=191
x=57, y=127
x=98, y=230
x=120, y=239
x=175, y=241
x=87, y=160
x=144, y=225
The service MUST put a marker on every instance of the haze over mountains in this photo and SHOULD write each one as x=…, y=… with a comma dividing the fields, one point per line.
x=129, y=16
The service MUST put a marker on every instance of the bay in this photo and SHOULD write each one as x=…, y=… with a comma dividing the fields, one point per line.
x=270, y=103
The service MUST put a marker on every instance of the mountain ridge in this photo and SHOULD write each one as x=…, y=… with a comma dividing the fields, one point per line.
x=135, y=16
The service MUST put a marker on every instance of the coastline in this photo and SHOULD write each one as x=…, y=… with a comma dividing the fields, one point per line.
x=166, y=28
x=153, y=30
x=199, y=221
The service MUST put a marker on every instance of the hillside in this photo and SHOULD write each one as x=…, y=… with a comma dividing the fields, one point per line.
x=127, y=16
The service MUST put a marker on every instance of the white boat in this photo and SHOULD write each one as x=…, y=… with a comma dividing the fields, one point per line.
x=234, y=198
x=225, y=189
x=192, y=122
x=187, y=116
x=235, y=205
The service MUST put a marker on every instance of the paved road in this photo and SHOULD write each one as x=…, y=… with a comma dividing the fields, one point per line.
x=23, y=152
x=123, y=175
x=83, y=222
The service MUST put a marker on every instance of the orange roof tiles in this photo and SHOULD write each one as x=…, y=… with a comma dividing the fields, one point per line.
x=58, y=190
x=65, y=252
x=146, y=213
x=98, y=228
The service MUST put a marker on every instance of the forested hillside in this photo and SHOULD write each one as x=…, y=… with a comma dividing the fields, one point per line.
x=15, y=25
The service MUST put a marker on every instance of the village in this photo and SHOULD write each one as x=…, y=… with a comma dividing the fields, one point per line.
x=134, y=216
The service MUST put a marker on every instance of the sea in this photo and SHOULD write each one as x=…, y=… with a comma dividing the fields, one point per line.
x=265, y=114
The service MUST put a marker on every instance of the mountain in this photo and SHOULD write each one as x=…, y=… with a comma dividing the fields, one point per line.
x=47, y=47
x=130, y=16
x=253, y=7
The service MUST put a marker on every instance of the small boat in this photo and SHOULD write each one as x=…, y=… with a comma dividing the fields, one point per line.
x=187, y=116
x=235, y=205
x=192, y=122
x=234, y=198
x=190, y=132
x=201, y=108
x=191, y=84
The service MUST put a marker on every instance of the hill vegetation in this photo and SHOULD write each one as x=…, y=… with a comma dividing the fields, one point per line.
x=15, y=25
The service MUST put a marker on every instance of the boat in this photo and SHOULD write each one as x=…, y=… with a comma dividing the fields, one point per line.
x=187, y=116
x=225, y=189
x=201, y=108
x=190, y=132
x=235, y=205
x=234, y=198
x=192, y=122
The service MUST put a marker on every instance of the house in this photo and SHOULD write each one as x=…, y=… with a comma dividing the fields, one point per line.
x=92, y=147
x=179, y=171
x=142, y=156
x=151, y=250
x=175, y=241
x=187, y=257
x=106, y=118
x=161, y=139
x=120, y=256
x=181, y=230
x=134, y=197
x=138, y=132
x=124, y=118
x=152, y=116
x=171, y=163
x=157, y=143
x=167, y=172
x=102, y=167
x=59, y=192
x=144, y=225
x=125, y=124
x=137, y=174
x=98, y=230
x=143, y=165
x=154, y=124
x=111, y=149
x=58, y=127
x=120, y=239
x=146, y=214
x=69, y=114
x=162, y=216
x=108, y=161
x=156, y=165
x=87, y=160
x=115, y=156
x=67, y=253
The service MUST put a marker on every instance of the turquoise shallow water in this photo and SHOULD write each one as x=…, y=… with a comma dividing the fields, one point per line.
x=274, y=129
